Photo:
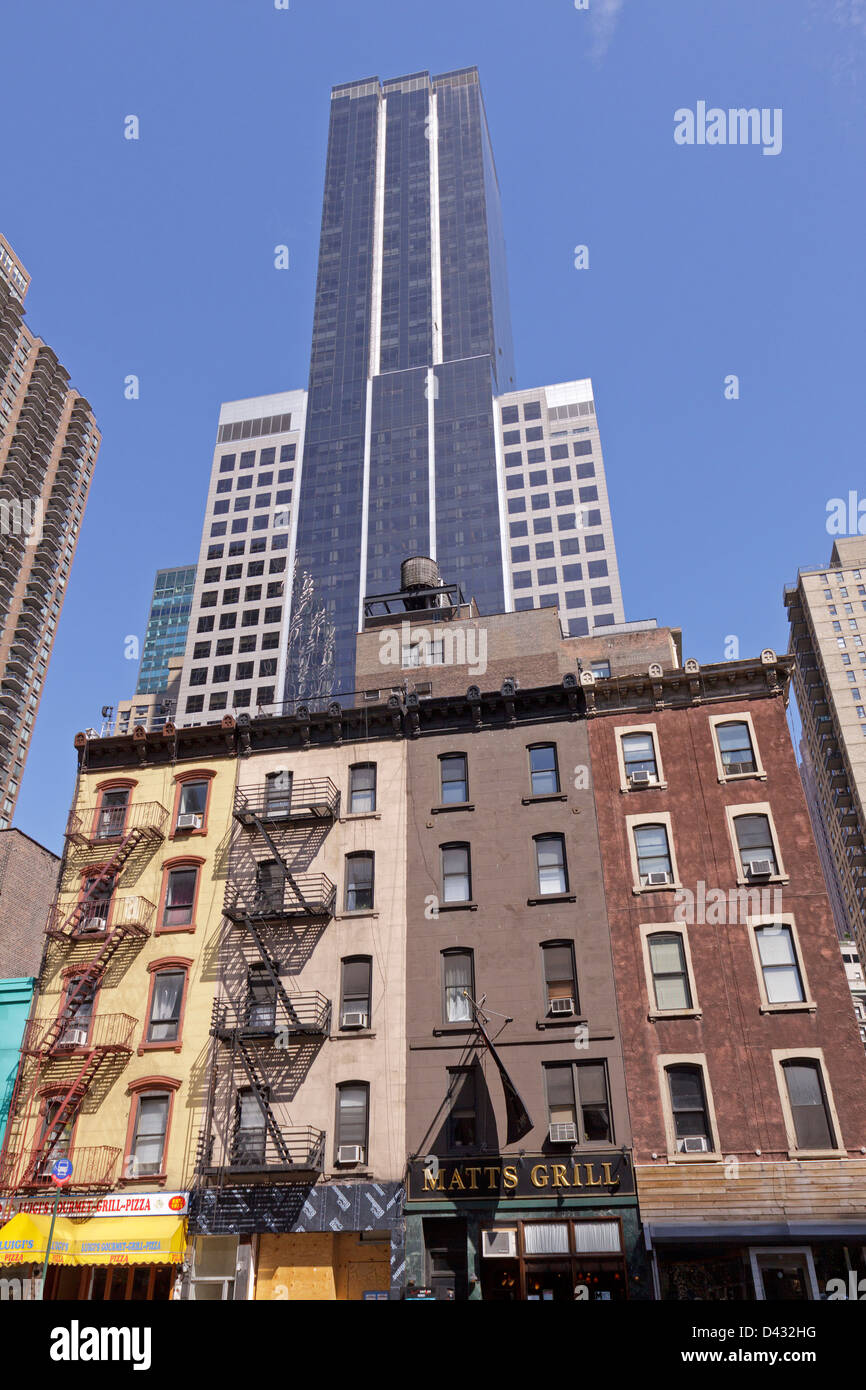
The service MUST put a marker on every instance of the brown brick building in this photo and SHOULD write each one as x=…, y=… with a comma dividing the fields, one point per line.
x=745, y=1072
x=28, y=880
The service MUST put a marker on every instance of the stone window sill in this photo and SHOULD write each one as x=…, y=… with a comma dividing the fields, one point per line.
x=456, y=806
x=803, y=1006
x=546, y=796
x=674, y=1013
x=551, y=898
x=470, y=906
x=365, y=912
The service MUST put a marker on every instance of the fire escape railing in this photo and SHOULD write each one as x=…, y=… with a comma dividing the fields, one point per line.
x=299, y=800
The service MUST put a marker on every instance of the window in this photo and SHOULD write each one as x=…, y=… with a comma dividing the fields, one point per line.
x=543, y=770
x=148, y=1137
x=250, y=1134
x=95, y=907
x=353, y=1103
x=454, y=779
x=165, y=1006
x=456, y=875
x=639, y=758
x=278, y=794
x=601, y=669
x=689, y=1109
x=735, y=749
x=809, y=1110
x=261, y=1002
x=362, y=788
x=180, y=892
x=192, y=803
x=783, y=983
x=77, y=1031
x=359, y=882
x=669, y=972
x=463, y=1115
x=550, y=864
x=111, y=816
x=270, y=886
x=458, y=986
x=60, y=1135
x=577, y=1103
x=560, y=980
x=355, y=992
x=653, y=855
x=755, y=843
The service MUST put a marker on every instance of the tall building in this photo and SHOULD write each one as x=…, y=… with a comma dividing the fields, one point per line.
x=238, y=637
x=48, y=447
x=167, y=623
x=827, y=612
x=412, y=437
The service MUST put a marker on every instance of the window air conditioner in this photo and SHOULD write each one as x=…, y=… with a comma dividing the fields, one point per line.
x=760, y=868
x=73, y=1037
x=501, y=1245
x=87, y=924
x=350, y=1153
x=563, y=1133
x=189, y=821
x=354, y=1020
x=641, y=779
x=562, y=1006
x=653, y=880
x=693, y=1144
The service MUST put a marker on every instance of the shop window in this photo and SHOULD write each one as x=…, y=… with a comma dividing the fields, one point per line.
x=213, y=1268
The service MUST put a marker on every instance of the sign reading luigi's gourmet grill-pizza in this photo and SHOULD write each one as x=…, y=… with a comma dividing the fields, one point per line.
x=603, y=1174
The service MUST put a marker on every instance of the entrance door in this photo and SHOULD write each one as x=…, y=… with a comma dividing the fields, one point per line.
x=447, y=1265
x=784, y=1276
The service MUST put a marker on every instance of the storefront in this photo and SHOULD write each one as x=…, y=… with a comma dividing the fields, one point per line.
x=753, y=1264
x=328, y=1241
x=117, y=1249
x=526, y=1228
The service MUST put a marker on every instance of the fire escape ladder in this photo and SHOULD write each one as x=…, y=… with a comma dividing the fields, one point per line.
x=271, y=967
x=280, y=860
x=64, y=1113
x=260, y=1092
x=108, y=872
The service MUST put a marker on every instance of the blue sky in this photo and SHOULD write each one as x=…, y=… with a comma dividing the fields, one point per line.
x=155, y=257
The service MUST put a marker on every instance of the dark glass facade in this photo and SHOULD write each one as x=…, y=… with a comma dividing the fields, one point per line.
x=413, y=331
x=166, y=627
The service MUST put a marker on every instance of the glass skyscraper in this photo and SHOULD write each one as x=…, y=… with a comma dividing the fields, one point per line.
x=411, y=344
x=167, y=625
x=412, y=439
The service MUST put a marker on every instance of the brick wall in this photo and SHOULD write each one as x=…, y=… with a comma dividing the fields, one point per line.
x=28, y=876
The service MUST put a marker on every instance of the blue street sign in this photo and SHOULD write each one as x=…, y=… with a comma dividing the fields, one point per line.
x=61, y=1169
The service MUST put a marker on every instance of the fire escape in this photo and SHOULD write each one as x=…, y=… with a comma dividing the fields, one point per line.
x=265, y=1035
x=66, y=1056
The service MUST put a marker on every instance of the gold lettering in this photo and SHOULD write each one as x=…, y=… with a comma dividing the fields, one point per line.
x=509, y=1176
x=537, y=1182
x=492, y=1179
x=559, y=1178
x=590, y=1181
x=431, y=1183
x=456, y=1181
x=575, y=1175
x=609, y=1179
x=472, y=1174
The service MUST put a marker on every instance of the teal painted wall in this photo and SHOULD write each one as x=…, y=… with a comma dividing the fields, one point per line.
x=15, y=998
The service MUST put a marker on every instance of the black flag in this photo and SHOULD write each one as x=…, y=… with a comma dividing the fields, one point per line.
x=519, y=1122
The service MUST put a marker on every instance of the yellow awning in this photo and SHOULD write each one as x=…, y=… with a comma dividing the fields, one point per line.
x=133, y=1240
x=23, y=1240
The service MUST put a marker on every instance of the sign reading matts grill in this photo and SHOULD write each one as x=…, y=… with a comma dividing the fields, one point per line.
x=115, y=1204
x=598, y=1174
